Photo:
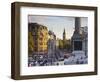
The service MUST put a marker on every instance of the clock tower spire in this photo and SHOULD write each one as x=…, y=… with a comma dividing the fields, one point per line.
x=64, y=35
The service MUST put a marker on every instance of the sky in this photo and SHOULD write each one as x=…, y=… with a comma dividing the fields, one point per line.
x=58, y=23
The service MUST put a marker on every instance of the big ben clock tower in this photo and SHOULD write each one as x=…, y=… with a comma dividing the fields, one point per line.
x=64, y=35
x=64, y=39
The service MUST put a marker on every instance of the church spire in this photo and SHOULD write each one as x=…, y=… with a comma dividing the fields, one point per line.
x=64, y=35
x=64, y=30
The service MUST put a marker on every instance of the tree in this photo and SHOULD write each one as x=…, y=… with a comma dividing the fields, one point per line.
x=60, y=44
x=68, y=45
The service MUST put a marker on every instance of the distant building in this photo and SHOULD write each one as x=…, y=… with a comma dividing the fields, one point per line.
x=84, y=32
x=63, y=44
x=64, y=40
x=30, y=43
x=40, y=37
x=64, y=35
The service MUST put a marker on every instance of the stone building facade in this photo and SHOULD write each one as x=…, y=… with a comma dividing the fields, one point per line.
x=39, y=38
